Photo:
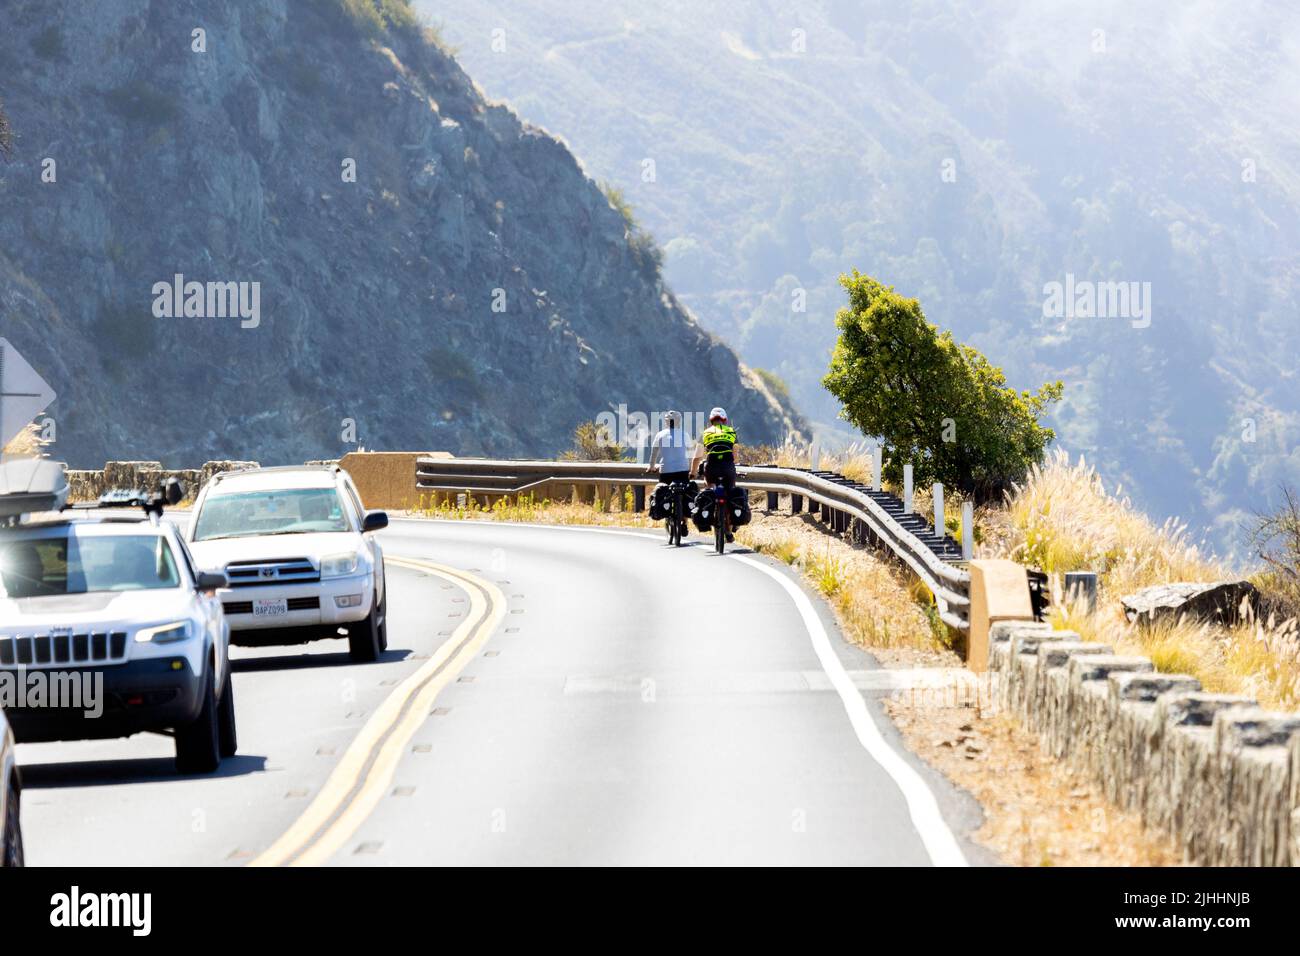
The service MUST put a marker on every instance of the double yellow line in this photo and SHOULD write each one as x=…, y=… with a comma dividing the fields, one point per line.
x=362, y=776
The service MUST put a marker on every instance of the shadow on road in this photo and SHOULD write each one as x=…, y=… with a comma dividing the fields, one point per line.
x=292, y=662
x=105, y=773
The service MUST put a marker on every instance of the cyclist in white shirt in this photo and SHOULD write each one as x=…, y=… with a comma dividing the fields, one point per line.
x=671, y=450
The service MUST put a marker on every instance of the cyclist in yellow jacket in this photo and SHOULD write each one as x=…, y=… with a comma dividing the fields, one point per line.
x=719, y=444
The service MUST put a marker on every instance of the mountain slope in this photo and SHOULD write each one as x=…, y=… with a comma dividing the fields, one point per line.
x=376, y=296
x=1106, y=140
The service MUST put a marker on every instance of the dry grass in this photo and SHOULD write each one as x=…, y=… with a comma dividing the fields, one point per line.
x=1062, y=518
x=1037, y=811
x=876, y=605
x=26, y=444
x=525, y=508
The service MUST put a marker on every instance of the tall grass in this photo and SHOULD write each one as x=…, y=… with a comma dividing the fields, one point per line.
x=1063, y=518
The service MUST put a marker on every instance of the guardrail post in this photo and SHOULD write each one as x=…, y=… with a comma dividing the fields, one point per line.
x=773, y=501
x=877, y=466
x=796, y=504
x=638, y=498
x=937, y=491
x=907, y=488
x=1081, y=586
x=967, y=530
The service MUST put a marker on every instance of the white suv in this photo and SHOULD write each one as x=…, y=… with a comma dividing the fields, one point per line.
x=112, y=602
x=296, y=547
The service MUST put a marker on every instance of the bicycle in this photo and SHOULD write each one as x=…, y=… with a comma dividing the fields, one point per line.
x=721, y=517
x=676, y=520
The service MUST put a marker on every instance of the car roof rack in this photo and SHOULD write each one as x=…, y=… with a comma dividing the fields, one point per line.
x=31, y=486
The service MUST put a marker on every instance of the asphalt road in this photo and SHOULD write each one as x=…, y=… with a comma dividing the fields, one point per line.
x=550, y=696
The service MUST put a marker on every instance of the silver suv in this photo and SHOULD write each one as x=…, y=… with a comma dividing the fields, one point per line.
x=296, y=546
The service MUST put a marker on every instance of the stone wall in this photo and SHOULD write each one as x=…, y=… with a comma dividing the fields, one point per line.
x=89, y=485
x=1216, y=772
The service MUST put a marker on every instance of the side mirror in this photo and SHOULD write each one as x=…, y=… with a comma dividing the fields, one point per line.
x=375, y=521
x=212, y=581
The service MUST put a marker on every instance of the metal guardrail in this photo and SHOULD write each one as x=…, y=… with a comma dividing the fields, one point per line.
x=949, y=583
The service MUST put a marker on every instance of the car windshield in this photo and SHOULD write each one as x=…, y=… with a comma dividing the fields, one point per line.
x=69, y=563
x=285, y=511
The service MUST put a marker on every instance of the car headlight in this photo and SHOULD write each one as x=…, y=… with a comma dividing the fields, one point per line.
x=337, y=565
x=164, y=633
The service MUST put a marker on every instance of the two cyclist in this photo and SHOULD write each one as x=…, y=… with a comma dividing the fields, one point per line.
x=678, y=457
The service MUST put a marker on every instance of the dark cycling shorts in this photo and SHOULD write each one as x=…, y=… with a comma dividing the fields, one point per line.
x=724, y=471
x=668, y=477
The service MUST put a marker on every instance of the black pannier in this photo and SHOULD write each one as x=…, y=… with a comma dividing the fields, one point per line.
x=702, y=512
x=740, y=513
x=661, y=502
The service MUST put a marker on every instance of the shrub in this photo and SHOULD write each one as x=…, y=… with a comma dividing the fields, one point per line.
x=593, y=442
x=48, y=44
x=1275, y=540
x=139, y=102
x=646, y=253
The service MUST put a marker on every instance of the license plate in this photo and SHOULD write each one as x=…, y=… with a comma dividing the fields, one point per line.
x=270, y=607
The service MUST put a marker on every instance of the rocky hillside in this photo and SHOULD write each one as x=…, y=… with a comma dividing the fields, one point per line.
x=472, y=289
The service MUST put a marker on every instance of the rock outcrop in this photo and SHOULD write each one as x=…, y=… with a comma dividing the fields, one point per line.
x=1218, y=603
x=469, y=288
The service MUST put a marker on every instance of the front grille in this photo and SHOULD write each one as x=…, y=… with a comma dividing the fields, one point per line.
x=243, y=574
x=295, y=604
x=48, y=650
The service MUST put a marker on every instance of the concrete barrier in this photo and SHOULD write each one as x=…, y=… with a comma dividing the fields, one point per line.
x=386, y=479
x=1214, y=771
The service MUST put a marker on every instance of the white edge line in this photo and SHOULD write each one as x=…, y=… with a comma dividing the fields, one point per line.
x=940, y=843
x=937, y=837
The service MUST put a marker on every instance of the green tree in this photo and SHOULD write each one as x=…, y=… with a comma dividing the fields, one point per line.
x=934, y=402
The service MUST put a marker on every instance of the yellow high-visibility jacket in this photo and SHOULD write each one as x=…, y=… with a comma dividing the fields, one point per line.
x=719, y=442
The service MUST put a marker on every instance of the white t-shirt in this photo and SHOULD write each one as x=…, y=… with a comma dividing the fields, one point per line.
x=674, y=450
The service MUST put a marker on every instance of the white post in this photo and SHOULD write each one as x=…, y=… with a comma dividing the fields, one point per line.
x=967, y=530
x=937, y=491
x=814, y=455
x=877, y=465
x=907, y=488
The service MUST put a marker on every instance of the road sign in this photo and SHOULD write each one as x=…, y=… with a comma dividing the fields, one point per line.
x=23, y=393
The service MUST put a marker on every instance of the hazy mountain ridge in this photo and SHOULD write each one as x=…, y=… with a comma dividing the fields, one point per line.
x=1122, y=161
x=376, y=296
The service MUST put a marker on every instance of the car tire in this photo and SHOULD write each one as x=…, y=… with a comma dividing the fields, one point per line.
x=198, y=743
x=383, y=623
x=11, y=852
x=364, y=637
x=227, y=736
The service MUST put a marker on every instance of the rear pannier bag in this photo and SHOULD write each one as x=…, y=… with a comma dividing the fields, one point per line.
x=659, y=503
x=740, y=513
x=702, y=512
